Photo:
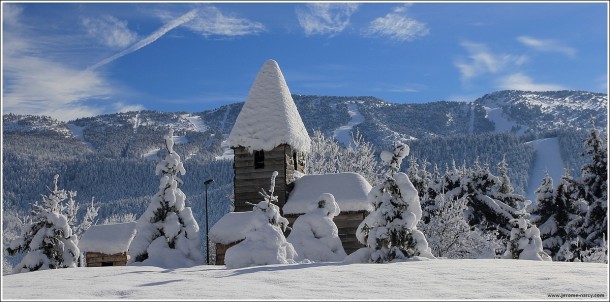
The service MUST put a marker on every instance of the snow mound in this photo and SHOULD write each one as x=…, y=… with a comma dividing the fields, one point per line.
x=269, y=117
x=265, y=243
x=108, y=238
x=349, y=189
x=315, y=236
x=233, y=227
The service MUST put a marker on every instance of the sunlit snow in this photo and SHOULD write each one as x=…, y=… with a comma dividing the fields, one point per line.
x=439, y=279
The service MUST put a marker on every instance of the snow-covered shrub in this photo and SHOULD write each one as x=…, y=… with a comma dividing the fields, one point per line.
x=265, y=243
x=167, y=234
x=47, y=241
x=449, y=234
x=314, y=234
x=525, y=242
x=390, y=231
x=597, y=254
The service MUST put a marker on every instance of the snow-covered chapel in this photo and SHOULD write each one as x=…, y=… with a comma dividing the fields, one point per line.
x=269, y=135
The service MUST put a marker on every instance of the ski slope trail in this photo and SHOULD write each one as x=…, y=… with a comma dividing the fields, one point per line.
x=548, y=158
x=343, y=134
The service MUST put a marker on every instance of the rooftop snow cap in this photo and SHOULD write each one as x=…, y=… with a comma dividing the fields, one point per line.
x=269, y=117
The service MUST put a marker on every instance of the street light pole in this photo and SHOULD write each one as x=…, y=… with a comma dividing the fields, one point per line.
x=207, y=241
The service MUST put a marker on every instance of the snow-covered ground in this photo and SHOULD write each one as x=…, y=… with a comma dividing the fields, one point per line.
x=548, y=158
x=343, y=134
x=440, y=279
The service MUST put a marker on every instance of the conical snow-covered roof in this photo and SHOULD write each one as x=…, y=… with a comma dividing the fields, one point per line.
x=269, y=117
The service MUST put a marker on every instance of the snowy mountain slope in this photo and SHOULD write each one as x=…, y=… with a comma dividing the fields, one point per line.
x=548, y=158
x=549, y=110
x=440, y=279
x=29, y=124
x=439, y=132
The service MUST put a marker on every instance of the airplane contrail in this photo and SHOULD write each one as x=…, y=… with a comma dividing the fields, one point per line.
x=151, y=38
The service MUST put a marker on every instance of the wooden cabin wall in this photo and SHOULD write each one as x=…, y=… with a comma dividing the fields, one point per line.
x=95, y=259
x=248, y=181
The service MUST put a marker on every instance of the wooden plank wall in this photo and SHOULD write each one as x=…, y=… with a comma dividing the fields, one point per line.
x=94, y=259
x=248, y=181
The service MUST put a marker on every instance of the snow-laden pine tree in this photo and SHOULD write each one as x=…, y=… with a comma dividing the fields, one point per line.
x=524, y=242
x=571, y=210
x=505, y=191
x=167, y=234
x=48, y=240
x=265, y=243
x=595, y=182
x=545, y=214
x=449, y=234
x=315, y=235
x=390, y=231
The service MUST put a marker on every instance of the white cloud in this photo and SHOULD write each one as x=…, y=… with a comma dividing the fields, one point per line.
x=150, y=38
x=39, y=86
x=37, y=83
x=520, y=81
x=325, y=18
x=398, y=26
x=110, y=31
x=547, y=45
x=10, y=14
x=211, y=21
x=482, y=61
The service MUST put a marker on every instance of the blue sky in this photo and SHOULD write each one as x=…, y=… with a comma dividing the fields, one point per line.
x=71, y=60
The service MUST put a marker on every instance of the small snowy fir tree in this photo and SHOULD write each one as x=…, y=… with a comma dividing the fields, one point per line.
x=315, y=236
x=525, y=242
x=544, y=214
x=571, y=210
x=265, y=243
x=47, y=240
x=390, y=231
x=167, y=234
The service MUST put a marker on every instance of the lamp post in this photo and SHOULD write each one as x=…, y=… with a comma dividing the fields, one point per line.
x=207, y=242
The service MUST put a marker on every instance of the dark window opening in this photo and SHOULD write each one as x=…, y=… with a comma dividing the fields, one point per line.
x=107, y=263
x=259, y=159
x=294, y=160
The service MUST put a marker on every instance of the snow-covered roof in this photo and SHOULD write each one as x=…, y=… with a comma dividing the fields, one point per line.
x=108, y=238
x=269, y=117
x=349, y=189
x=233, y=227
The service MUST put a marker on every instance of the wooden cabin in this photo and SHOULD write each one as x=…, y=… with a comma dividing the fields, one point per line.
x=107, y=244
